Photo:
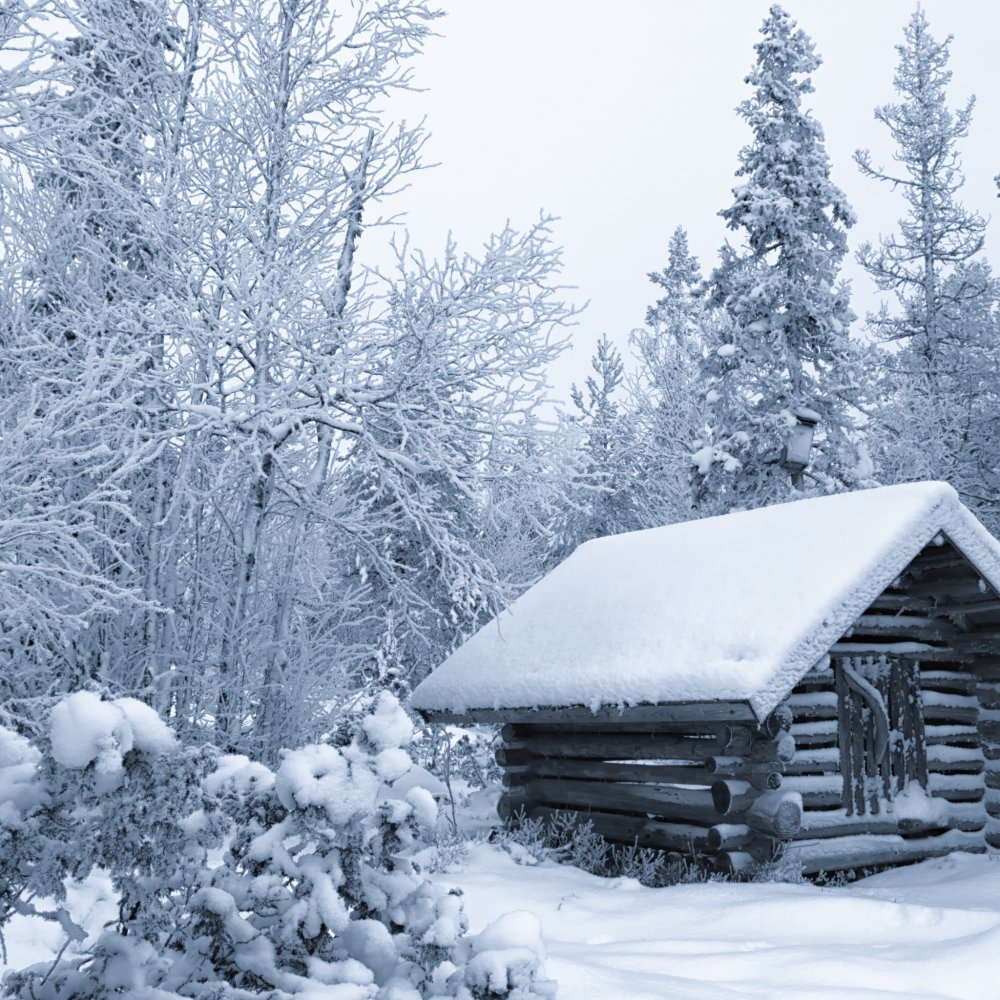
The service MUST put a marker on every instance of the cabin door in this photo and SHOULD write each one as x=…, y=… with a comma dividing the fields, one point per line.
x=881, y=729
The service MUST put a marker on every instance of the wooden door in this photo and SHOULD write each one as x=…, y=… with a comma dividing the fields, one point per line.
x=881, y=729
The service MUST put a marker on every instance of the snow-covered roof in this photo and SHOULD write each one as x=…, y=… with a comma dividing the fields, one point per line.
x=731, y=608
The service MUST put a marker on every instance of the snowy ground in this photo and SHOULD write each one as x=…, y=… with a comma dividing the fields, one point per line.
x=926, y=931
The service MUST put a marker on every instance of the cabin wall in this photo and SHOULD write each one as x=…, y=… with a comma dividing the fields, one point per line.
x=739, y=792
x=922, y=616
x=684, y=785
x=832, y=837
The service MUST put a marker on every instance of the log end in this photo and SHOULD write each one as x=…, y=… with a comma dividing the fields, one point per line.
x=779, y=721
x=512, y=808
x=786, y=820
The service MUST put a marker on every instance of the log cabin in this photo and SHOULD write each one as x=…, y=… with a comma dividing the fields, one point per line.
x=818, y=680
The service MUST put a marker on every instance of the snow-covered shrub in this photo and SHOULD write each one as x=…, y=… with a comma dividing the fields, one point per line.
x=22, y=796
x=462, y=758
x=237, y=881
x=566, y=839
x=109, y=789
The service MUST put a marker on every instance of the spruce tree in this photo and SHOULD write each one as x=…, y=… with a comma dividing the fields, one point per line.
x=934, y=418
x=937, y=234
x=666, y=399
x=780, y=346
x=678, y=311
x=605, y=491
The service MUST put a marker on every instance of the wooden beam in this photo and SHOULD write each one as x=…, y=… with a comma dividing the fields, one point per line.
x=730, y=836
x=732, y=797
x=912, y=650
x=824, y=824
x=692, y=714
x=988, y=695
x=901, y=602
x=734, y=863
x=904, y=627
x=627, y=746
x=940, y=560
x=831, y=854
x=948, y=713
x=990, y=606
x=513, y=804
x=587, y=769
x=760, y=774
x=952, y=587
x=779, y=721
x=673, y=803
x=958, y=735
x=684, y=837
x=959, y=681
x=777, y=814
x=814, y=734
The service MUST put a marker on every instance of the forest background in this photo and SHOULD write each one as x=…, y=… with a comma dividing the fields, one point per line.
x=267, y=457
x=256, y=471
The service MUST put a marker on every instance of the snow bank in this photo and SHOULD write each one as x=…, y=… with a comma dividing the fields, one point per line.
x=85, y=728
x=732, y=608
x=926, y=931
x=238, y=774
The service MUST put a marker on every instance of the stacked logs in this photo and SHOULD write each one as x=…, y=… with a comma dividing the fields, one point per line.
x=677, y=784
x=987, y=673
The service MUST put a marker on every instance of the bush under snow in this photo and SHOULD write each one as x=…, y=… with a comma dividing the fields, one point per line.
x=316, y=895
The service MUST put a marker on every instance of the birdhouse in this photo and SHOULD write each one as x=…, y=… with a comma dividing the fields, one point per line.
x=798, y=450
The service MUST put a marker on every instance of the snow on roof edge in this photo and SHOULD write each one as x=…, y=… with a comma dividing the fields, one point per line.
x=949, y=517
x=825, y=624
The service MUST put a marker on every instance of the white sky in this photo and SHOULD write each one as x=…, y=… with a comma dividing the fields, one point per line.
x=619, y=118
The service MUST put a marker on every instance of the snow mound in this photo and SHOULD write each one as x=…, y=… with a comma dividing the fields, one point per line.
x=732, y=608
x=929, y=930
x=238, y=774
x=150, y=734
x=85, y=729
x=507, y=954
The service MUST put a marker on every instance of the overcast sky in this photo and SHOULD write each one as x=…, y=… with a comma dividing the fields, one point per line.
x=619, y=118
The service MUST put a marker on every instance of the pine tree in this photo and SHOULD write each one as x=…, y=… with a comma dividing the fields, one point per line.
x=679, y=310
x=601, y=499
x=781, y=346
x=938, y=233
x=933, y=417
x=665, y=396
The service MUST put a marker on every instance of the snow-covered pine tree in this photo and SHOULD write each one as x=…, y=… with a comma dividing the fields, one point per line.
x=664, y=394
x=604, y=497
x=938, y=233
x=931, y=418
x=679, y=312
x=783, y=346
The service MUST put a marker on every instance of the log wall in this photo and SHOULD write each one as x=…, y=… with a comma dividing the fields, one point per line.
x=938, y=614
x=709, y=779
x=688, y=786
